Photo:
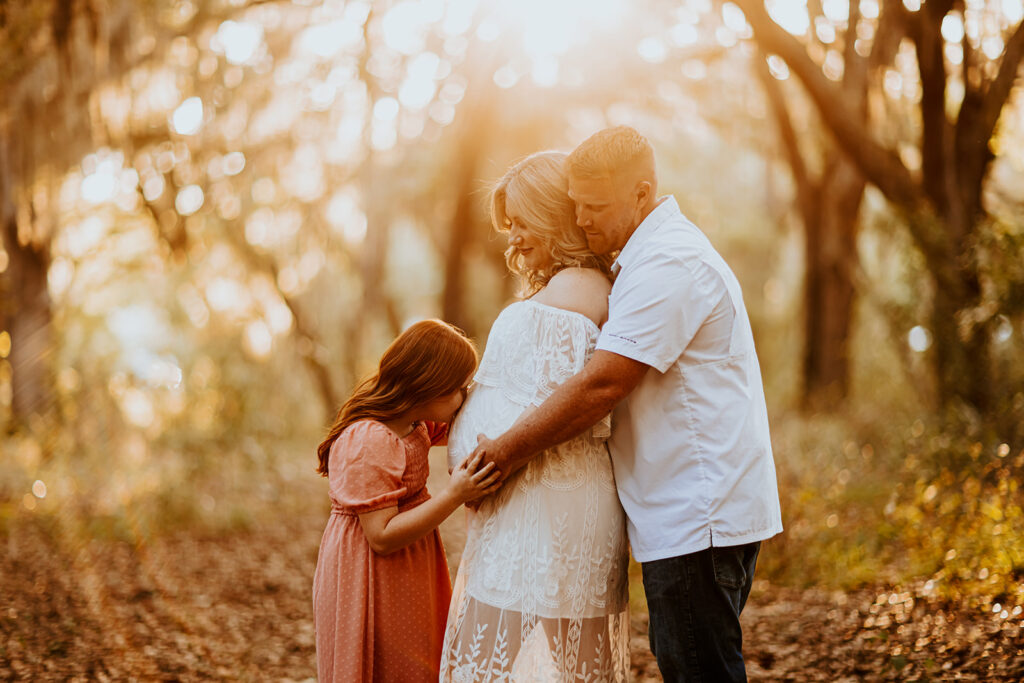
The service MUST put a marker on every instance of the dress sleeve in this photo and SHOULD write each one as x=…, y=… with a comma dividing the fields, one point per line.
x=438, y=432
x=366, y=468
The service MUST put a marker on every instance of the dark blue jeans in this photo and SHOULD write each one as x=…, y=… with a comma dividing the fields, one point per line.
x=694, y=602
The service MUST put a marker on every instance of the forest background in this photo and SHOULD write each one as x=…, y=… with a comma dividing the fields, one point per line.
x=216, y=213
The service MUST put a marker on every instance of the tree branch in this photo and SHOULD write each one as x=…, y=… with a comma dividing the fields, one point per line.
x=806, y=189
x=880, y=166
x=892, y=26
x=997, y=92
x=936, y=130
x=855, y=67
x=305, y=331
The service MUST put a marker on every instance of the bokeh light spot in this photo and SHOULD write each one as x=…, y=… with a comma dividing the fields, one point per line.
x=233, y=163
x=386, y=109
x=188, y=117
x=953, y=28
x=790, y=15
x=189, y=200
x=239, y=41
x=919, y=339
x=100, y=186
x=836, y=10
x=1013, y=10
x=506, y=77
x=1004, y=330
x=652, y=49
x=258, y=340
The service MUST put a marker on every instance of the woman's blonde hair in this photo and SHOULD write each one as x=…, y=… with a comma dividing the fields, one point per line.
x=536, y=191
x=429, y=360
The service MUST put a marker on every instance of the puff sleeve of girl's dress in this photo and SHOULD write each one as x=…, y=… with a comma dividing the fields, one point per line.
x=438, y=432
x=366, y=468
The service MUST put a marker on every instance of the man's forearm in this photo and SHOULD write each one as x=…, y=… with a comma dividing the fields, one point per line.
x=574, y=407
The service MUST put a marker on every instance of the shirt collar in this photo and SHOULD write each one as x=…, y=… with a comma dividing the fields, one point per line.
x=666, y=208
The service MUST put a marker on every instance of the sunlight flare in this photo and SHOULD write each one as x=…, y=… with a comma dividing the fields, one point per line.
x=543, y=29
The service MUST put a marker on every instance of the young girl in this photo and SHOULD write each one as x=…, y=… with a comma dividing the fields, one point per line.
x=381, y=588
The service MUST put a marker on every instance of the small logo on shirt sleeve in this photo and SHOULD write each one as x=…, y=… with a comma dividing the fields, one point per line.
x=625, y=339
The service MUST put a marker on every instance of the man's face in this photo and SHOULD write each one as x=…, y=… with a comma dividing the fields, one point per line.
x=605, y=212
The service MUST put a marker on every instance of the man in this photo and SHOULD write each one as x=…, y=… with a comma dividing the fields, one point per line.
x=690, y=444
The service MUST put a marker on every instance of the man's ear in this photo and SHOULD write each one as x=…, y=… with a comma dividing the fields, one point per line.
x=643, y=192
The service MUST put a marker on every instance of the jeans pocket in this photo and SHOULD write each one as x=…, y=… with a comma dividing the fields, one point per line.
x=730, y=570
x=665, y=578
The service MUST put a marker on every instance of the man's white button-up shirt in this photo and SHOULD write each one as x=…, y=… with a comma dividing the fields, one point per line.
x=690, y=446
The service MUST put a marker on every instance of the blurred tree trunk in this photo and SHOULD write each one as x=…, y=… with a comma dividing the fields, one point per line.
x=829, y=295
x=52, y=56
x=465, y=224
x=26, y=296
x=377, y=307
x=377, y=301
x=828, y=206
x=25, y=312
x=829, y=209
x=309, y=343
x=943, y=202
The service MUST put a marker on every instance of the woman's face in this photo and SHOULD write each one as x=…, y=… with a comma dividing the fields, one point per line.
x=536, y=256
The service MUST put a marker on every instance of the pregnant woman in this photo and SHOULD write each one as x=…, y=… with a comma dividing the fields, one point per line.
x=541, y=592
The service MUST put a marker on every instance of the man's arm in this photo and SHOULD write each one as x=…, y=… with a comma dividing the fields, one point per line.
x=574, y=407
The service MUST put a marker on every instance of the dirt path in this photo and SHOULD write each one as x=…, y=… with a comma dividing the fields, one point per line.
x=238, y=607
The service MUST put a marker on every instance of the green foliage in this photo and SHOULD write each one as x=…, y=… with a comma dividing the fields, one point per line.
x=897, y=500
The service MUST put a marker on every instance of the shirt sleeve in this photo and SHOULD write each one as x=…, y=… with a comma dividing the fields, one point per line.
x=657, y=307
x=366, y=468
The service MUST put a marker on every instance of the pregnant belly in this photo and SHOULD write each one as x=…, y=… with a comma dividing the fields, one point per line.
x=486, y=411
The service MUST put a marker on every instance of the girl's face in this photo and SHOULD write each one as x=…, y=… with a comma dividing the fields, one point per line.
x=443, y=408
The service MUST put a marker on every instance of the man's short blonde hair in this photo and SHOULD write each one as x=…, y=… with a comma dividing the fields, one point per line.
x=608, y=152
x=536, y=191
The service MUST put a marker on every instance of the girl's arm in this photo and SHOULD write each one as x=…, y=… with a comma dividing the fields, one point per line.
x=389, y=530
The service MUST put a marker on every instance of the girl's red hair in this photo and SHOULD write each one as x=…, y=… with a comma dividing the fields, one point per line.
x=427, y=361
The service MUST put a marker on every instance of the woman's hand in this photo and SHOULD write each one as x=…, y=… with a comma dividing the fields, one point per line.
x=469, y=483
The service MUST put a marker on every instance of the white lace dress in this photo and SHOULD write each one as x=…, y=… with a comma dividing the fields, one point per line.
x=541, y=593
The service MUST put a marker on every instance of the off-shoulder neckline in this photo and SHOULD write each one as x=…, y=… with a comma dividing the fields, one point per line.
x=560, y=310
